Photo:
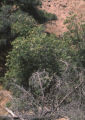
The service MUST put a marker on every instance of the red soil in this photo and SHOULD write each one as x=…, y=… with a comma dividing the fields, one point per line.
x=62, y=9
x=5, y=97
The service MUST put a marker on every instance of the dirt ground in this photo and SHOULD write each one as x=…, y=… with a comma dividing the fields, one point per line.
x=5, y=97
x=62, y=9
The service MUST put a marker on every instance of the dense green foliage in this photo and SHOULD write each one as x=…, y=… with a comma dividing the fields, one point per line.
x=16, y=19
x=34, y=52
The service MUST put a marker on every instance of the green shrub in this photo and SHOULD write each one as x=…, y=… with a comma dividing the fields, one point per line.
x=35, y=52
x=22, y=24
x=8, y=104
x=76, y=35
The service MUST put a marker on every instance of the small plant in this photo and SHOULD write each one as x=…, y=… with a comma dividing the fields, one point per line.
x=8, y=105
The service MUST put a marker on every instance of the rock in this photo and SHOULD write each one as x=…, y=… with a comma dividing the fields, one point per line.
x=49, y=5
x=63, y=5
x=49, y=0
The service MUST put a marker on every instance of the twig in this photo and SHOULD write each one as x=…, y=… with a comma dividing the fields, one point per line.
x=67, y=65
x=12, y=114
x=67, y=95
x=41, y=91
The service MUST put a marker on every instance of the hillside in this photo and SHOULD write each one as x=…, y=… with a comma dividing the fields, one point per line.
x=62, y=9
x=42, y=59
